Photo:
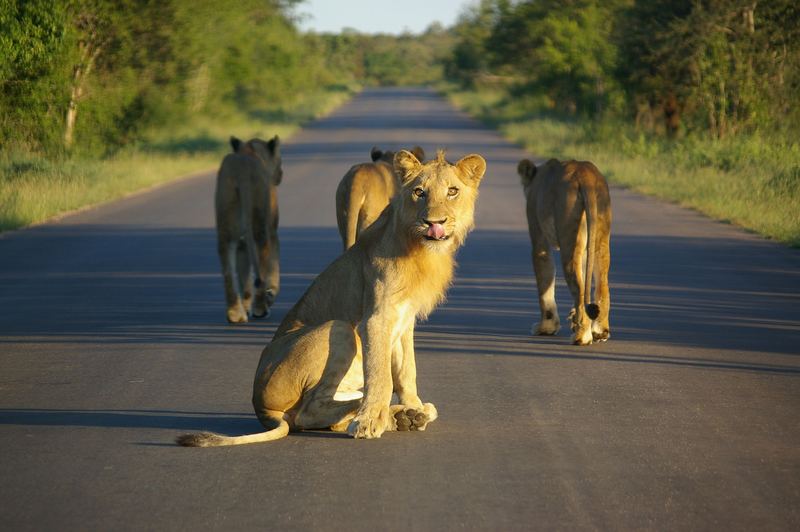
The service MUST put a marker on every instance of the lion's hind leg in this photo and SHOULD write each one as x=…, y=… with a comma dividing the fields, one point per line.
x=600, y=327
x=244, y=277
x=327, y=412
x=573, y=250
x=331, y=354
x=545, y=270
x=236, y=312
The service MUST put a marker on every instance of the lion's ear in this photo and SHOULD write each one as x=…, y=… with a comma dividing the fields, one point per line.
x=527, y=171
x=472, y=167
x=235, y=143
x=375, y=153
x=273, y=144
x=406, y=166
x=418, y=152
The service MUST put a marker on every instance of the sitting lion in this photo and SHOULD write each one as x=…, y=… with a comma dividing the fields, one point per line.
x=348, y=343
x=569, y=208
x=246, y=204
x=363, y=193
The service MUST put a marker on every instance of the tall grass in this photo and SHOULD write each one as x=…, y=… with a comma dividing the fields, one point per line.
x=34, y=188
x=750, y=180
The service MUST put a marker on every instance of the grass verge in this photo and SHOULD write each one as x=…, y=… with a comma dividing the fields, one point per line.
x=34, y=189
x=750, y=180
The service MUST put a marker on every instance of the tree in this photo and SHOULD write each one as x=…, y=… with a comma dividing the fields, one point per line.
x=33, y=47
x=722, y=64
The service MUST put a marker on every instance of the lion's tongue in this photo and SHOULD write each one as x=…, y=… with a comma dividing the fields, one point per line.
x=436, y=231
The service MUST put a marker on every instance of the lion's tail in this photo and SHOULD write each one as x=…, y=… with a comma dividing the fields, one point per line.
x=209, y=439
x=590, y=204
x=246, y=200
x=351, y=218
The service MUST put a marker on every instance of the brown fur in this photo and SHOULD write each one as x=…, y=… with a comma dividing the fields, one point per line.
x=569, y=207
x=246, y=205
x=353, y=329
x=363, y=193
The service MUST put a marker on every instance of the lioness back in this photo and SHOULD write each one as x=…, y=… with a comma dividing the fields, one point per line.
x=569, y=208
x=364, y=192
x=234, y=172
x=246, y=207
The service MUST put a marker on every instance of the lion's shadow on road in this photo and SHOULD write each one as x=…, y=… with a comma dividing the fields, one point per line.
x=162, y=286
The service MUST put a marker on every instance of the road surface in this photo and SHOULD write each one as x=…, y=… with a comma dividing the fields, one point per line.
x=113, y=340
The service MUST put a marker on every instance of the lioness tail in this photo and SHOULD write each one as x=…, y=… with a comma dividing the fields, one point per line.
x=209, y=439
x=590, y=204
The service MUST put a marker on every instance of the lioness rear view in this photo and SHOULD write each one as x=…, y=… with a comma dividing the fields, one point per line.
x=348, y=343
x=246, y=203
x=364, y=191
x=569, y=207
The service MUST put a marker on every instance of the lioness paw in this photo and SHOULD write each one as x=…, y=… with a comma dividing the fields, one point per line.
x=411, y=419
x=263, y=301
x=260, y=311
x=571, y=317
x=600, y=333
x=237, y=314
x=369, y=425
x=269, y=296
x=546, y=328
x=582, y=337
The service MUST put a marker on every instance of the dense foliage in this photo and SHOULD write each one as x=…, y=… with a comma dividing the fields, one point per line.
x=90, y=75
x=387, y=59
x=721, y=66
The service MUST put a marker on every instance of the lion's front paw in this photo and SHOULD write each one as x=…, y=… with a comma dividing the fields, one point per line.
x=371, y=423
x=414, y=419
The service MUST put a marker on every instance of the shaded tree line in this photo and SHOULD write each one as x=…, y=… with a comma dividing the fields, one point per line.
x=89, y=75
x=388, y=60
x=721, y=66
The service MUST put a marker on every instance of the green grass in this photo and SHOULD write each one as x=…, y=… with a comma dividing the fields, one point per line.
x=34, y=189
x=752, y=181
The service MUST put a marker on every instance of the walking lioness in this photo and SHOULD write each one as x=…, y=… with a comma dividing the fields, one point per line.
x=364, y=191
x=569, y=207
x=246, y=205
x=348, y=343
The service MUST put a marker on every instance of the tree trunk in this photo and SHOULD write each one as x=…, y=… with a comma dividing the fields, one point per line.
x=87, y=57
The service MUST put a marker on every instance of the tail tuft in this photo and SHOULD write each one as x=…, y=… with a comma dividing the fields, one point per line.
x=200, y=439
x=593, y=311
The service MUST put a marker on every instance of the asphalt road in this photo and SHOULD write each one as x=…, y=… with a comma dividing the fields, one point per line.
x=113, y=340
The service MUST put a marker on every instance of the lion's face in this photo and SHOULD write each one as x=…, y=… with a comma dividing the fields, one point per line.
x=438, y=198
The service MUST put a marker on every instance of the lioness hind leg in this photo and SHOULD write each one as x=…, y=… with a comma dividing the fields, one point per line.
x=600, y=327
x=322, y=413
x=572, y=260
x=269, y=257
x=236, y=312
x=544, y=268
x=413, y=419
x=245, y=279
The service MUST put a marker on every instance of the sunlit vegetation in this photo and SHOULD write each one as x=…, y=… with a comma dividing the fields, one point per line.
x=690, y=100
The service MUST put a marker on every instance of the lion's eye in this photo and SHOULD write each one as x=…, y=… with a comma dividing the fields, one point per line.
x=419, y=192
x=452, y=192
